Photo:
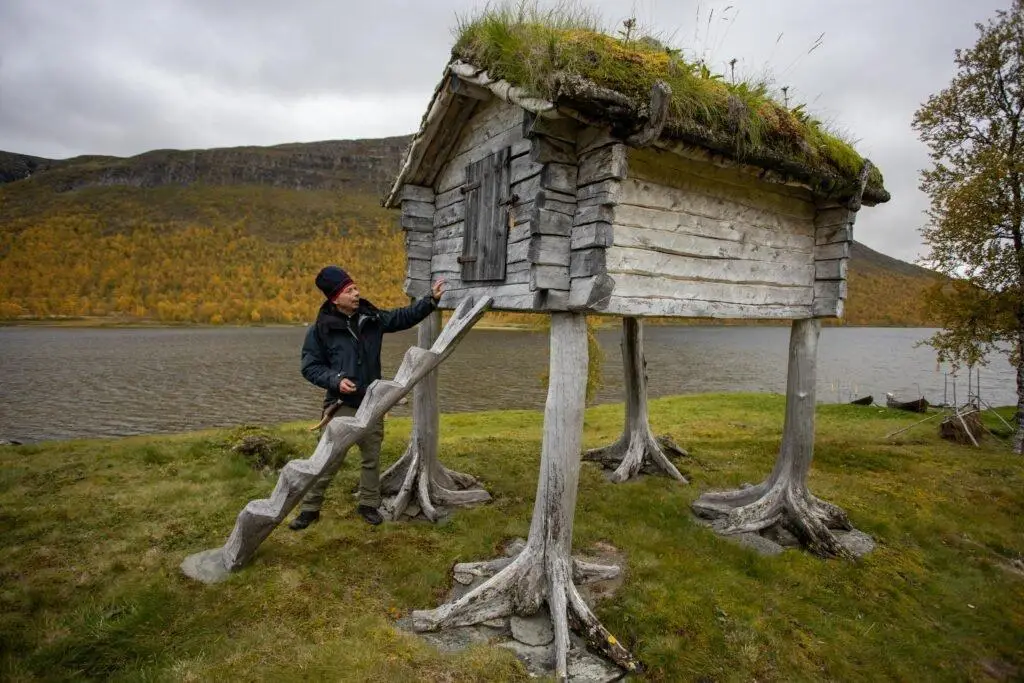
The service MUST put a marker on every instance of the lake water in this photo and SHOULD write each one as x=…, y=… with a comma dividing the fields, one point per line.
x=60, y=383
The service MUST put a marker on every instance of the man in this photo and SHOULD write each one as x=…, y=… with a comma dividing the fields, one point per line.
x=341, y=353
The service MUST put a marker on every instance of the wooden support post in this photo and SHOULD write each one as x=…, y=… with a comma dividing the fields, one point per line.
x=637, y=450
x=417, y=482
x=544, y=569
x=783, y=498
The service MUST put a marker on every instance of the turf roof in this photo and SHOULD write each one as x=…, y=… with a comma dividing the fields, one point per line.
x=740, y=120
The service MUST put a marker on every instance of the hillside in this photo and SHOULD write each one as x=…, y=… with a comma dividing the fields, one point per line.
x=232, y=235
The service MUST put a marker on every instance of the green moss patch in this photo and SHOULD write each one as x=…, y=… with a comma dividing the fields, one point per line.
x=531, y=49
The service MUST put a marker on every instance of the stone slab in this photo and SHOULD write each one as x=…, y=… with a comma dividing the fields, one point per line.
x=856, y=542
x=534, y=629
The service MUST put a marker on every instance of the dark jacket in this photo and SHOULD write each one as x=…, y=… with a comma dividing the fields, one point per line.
x=339, y=346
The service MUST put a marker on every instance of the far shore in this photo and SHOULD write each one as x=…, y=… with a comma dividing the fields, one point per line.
x=96, y=322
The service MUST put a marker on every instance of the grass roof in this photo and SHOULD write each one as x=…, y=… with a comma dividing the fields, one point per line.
x=534, y=49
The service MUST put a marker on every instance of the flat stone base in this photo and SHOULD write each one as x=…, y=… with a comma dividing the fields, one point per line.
x=531, y=638
x=207, y=566
x=775, y=539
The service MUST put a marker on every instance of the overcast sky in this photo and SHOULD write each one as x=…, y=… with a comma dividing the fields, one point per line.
x=125, y=76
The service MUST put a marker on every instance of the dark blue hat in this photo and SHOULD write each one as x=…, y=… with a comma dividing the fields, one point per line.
x=331, y=280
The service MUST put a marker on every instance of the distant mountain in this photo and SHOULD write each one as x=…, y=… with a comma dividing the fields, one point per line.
x=361, y=165
x=19, y=166
x=231, y=235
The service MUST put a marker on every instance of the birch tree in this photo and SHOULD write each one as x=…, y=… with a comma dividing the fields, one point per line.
x=973, y=129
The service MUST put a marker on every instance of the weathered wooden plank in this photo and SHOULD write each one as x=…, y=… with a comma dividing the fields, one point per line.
x=832, y=234
x=686, y=244
x=455, y=230
x=672, y=170
x=418, y=251
x=447, y=198
x=417, y=224
x=417, y=209
x=549, y=277
x=604, y=192
x=419, y=238
x=658, y=287
x=499, y=301
x=521, y=147
x=838, y=250
x=555, y=202
x=590, y=293
x=453, y=173
x=590, y=138
x=831, y=270
x=446, y=262
x=416, y=288
x=448, y=245
x=417, y=269
x=587, y=263
x=417, y=193
x=738, y=271
x=594, y=214
x=693, y=308
x=466, y=89
x=559, y=178
x=603, y=163
x=528, y=188
x=789, y=237
x=549, y=150
x=561, y=128
x=724, y=208
x=830, y=289
x=523, y=168
x=518, y=251
x=828, y=308
x=592, y=235
x=837, y=216
x=519, y=233
x=449, y=215
x=549, y=249
x=547, y=222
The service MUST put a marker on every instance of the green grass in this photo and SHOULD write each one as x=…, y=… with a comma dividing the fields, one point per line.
x=93, y=532
x=529, y=46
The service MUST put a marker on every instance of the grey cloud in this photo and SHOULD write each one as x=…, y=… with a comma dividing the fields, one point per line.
x=122, y=77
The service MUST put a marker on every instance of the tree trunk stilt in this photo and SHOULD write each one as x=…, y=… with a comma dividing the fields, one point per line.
x=544, y=570
x=637, y=449
x=783, y=498
x=418, y=476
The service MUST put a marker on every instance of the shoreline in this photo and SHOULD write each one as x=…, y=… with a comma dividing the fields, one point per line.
x=605, y=322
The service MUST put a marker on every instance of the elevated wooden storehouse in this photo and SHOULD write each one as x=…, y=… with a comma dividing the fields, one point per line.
x=610, y=177
x=586, y=203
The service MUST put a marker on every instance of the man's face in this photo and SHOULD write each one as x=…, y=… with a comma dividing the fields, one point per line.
x=347, y=300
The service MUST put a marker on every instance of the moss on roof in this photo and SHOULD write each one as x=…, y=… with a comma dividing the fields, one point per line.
x=533, y=51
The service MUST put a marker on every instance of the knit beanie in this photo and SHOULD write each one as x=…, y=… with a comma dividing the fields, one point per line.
x=331, y=280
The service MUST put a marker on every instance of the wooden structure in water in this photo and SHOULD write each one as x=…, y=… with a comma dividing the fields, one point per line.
x=585, y=203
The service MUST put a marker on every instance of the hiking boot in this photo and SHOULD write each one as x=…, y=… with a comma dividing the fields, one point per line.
x=370, y=514
x=305, y=518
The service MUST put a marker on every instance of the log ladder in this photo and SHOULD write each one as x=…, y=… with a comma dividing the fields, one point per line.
x=260, y=517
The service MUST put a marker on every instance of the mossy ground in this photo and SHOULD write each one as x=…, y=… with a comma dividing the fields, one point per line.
x=93, y=532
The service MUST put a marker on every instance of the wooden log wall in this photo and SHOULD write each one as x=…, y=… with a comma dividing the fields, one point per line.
x=833, y=238
x=493, y=126
x=691, y=239
x=418, y=223
x=550, y=199
x=602, y=165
